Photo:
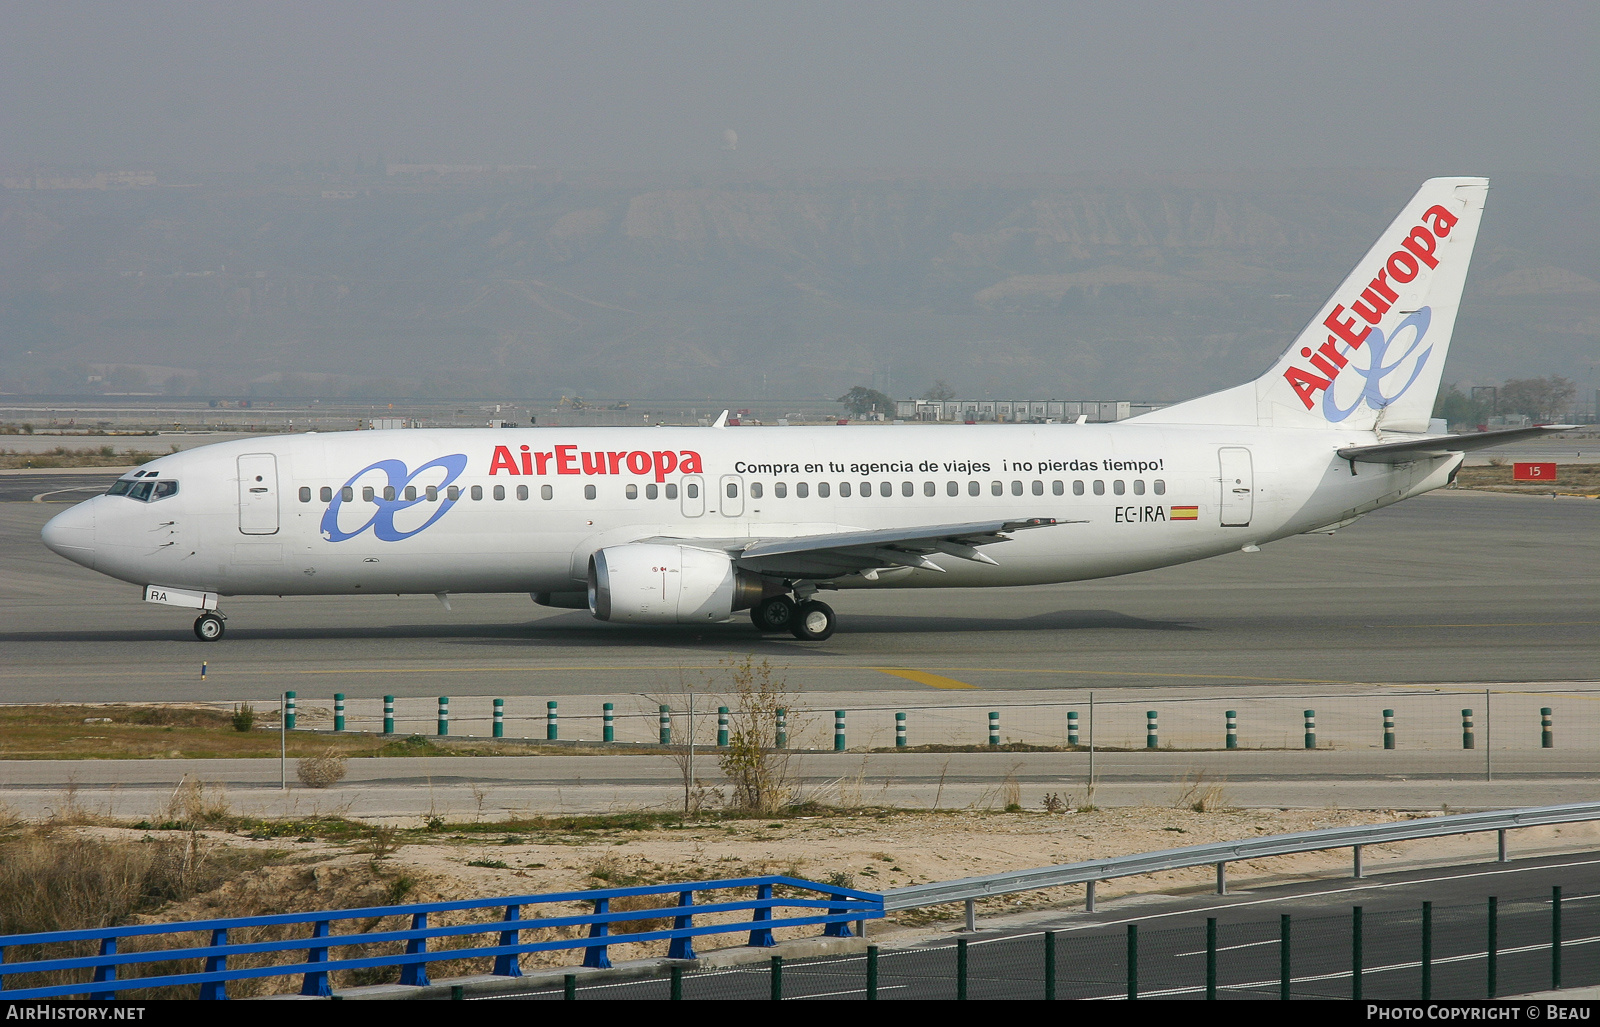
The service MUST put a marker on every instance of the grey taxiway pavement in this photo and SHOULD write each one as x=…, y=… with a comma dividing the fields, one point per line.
x=1453, y=587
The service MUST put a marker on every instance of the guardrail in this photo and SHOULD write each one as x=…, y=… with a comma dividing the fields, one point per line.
x=828, y=906
x=970, y=889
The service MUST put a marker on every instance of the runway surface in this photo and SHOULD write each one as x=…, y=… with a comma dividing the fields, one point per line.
x=1454, y=587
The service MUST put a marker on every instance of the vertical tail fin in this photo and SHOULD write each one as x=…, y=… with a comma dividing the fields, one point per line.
x=1374, y=354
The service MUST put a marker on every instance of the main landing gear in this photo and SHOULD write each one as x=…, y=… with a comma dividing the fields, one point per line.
x=208, y=627
x=809, y=621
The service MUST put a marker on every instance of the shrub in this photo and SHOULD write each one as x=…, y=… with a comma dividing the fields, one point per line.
x=244, y=717
x=321, y=770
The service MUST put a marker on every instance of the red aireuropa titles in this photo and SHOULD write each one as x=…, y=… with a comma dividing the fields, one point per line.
x=569, y=460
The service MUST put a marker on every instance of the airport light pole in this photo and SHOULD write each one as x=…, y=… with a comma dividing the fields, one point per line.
x=283, y=742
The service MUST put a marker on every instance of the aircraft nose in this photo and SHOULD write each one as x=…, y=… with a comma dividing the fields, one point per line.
x=70, y=533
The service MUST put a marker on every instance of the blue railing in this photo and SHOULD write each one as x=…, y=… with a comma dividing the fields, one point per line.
x=812, y=904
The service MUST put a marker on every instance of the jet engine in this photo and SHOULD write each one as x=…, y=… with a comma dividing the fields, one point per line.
x=650, y=583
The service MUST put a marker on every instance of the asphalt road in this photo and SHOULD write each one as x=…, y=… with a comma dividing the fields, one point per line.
x=1092, y=949
x=1452, y=587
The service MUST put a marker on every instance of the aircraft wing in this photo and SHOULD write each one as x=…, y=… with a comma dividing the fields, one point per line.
x=851, y=552
x=1441, y=445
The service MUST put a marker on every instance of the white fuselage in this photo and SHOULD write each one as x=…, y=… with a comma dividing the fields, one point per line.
x=298, y=531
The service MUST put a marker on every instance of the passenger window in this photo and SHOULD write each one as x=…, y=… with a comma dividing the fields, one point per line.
x=452, y=493
x=822, y=490
x=588, y=492
x=388, y=492
x=1057, y=487
x=1161, y=487
x=650, y=491
x=432, y=493
x=801, y=490
x=998, y=488
x=522, y=492
x=411, y=493
x=1118, y=487
x=347, y=494
x=546, y=492
x=326, y=495
x=908, y=489
x=305, y=493
x=1138, y=486
x=844, y=489
x=477, y=492
x=973, y=488
x=779, y=489
x=1099, y=487
x=367, y=494
x=1038, y=488
x=1077, y=488
x=672, y=492
x=733, y=490
x=755, y=490
x=1016, y=488
x=886, y=488
x=165, y=489
x=866, y=489
x=632, y=492
x=930, y=489
x=499, y=492
x=952, y=488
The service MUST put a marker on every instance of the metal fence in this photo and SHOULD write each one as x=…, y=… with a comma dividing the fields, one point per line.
x=105, y=963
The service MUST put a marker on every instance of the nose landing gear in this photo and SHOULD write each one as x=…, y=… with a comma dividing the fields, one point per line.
x=208, y=627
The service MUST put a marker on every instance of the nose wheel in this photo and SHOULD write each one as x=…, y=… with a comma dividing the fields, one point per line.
x=813, y=621
x=208, y=627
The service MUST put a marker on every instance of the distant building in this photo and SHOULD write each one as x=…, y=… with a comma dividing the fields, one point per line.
x=1018, y=411
x=100, y=180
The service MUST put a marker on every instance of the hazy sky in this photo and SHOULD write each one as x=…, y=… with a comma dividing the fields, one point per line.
x=1451, y=88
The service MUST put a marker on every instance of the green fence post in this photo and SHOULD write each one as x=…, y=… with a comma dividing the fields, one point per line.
x=872, y=972
x=994, y=727
x=1152, y=731
x=388, y=714
x=777, y=978
x=781, y=740
x=1232, y=725
x=676, y=995
x=899, y=730
x=1072, y=727
x=1467, y=741
x=569, y=987
x=1555, y=937
x=961, y=969
x=1388, y=729
x=608, y=722
x=722, y=727
x=1284, y=977
x=666, y=724
x=338, y=711
x=1355, y=954
x=1049, y=966
x=499, y=718
x=444, y=715
x=1494, y=946
x=1133, y=961
x=1427, y=950
x=552, y=723
x=1211, y=957
x=288, y=711
x=1547, y=734
x=1311, y=729
x=838, y=731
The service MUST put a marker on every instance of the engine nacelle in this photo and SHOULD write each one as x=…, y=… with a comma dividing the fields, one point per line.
x=648, y=583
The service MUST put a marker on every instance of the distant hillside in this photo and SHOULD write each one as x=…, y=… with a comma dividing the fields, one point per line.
x=784, y=286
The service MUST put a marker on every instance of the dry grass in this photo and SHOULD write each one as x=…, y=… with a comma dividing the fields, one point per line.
x=1580, y=478
x=320, y=771
x=61, y=456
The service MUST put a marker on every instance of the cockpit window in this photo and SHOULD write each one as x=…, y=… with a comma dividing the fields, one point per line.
x=147, y=491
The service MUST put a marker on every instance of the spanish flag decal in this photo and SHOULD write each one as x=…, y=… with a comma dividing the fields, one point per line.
x=1185, y=513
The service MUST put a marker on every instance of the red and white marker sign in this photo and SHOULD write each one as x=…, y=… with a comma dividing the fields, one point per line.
x=1533, y=472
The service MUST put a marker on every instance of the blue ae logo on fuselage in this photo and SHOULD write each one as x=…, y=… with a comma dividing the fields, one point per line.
x=388, y=498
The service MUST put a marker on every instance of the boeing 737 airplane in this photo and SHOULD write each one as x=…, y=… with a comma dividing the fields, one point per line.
x=690, y=525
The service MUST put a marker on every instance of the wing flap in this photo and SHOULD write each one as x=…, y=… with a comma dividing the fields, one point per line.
x=1441, y=445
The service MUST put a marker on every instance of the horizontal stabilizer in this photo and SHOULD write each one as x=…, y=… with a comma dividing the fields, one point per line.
x=1442, y=445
